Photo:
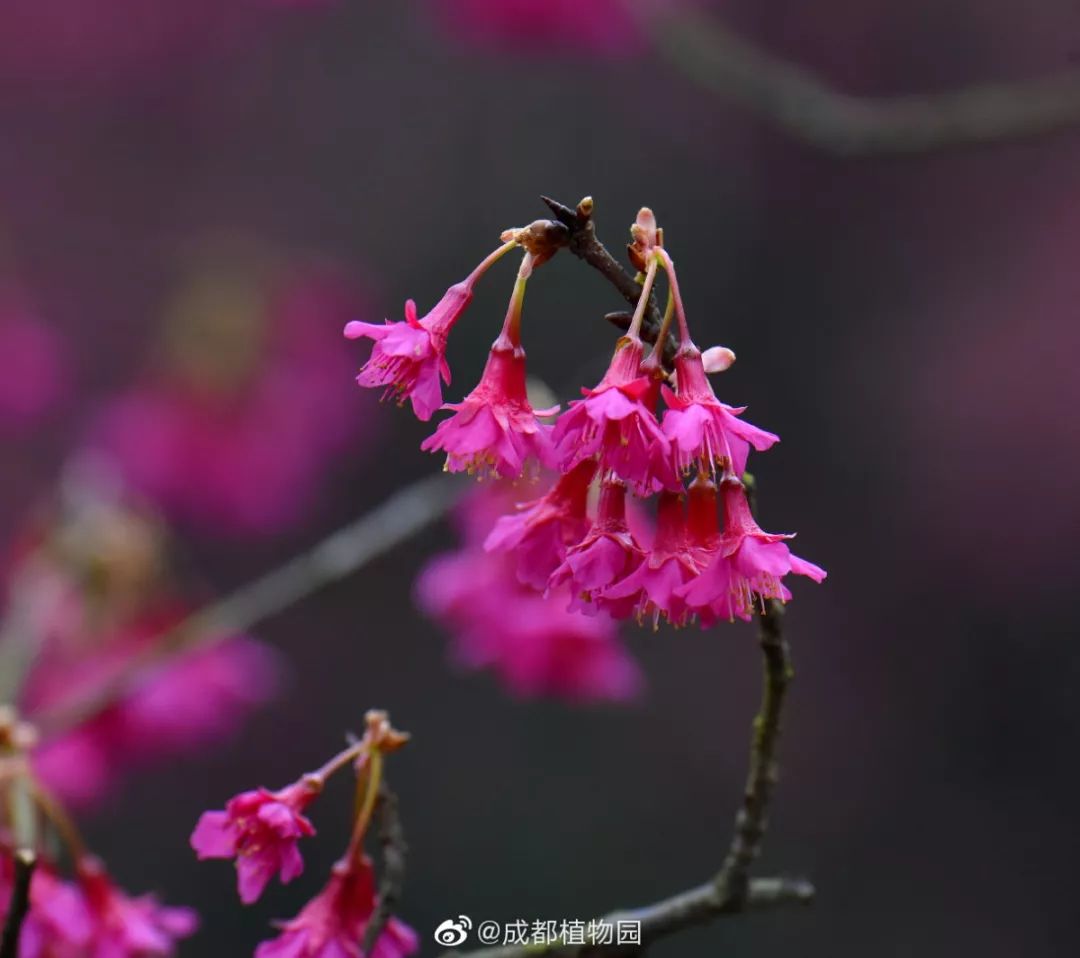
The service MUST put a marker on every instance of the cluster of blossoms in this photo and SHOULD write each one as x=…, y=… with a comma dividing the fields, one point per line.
x=708, y=560
x=86, y=915
x=261, y=830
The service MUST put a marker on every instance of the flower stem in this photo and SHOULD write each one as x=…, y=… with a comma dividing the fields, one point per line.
x=371, y=777
x=680, y=312
x=511, y=330
x=634, y=332
x=654, y=362
x=60, y=820
x=490, y=260
x=339, y=761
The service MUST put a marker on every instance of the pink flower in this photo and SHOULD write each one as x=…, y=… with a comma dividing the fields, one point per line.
x=674, y=560
x=58, y=922
x=260, y=829
x=532, y=643
x=235, y=431
x=123, y=927
x=748, y=565
x=704, y=432
x=408, y=358
x=333, y=923
x=495, y=429
x=538, y=534
x=194, y=699
x=608, y=554
x=595, y=26
x=35, y=365
x=616, y=424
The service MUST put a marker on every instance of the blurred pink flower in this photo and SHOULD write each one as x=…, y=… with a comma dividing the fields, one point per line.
x=58, y=923
x=35, y=365
x=237, y=430
x=260, y=829
x=333, y=923
x=187, y=702
x=596, y=26
x=531, y=642
x=124, y=927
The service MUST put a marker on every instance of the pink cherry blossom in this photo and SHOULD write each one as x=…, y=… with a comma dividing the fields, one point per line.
x=653, y=587
x=538, y=533
x=409, y=358
x=193, y=699
x=261, y=830
x=333, y=923
x=58, y=922
x=495, y=429
x=616, y=424
x=534, y=645
x=704, y=432
x=748, y=565
x=606, y=555
x=236, y=437
x=597, y=26
x=124, y=927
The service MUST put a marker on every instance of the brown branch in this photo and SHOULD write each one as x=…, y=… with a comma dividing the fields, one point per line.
x=392, y=875
x=19, y=904
x=799, y=103
x=583, y=242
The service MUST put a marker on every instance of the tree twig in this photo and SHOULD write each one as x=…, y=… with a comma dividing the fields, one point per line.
x=404, y=514
x=801, y=104
x=392, y=874
x=19, y=904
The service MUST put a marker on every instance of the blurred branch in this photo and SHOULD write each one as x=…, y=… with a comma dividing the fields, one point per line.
x=19, y=903
x=405, y=513
x=799, y=103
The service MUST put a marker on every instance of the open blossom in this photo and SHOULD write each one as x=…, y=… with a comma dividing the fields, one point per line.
x=409, y=358
x=495, y=429
x=333, y=923
x=674, y=560
x=538, y=533
x=616, y=424
x=747, y=563
x=532, y=643
x=124, y=927
x=261, y=830
x=606, y=555
x=704, y=432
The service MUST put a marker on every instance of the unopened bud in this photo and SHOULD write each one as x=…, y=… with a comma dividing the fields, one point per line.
x=717, y=358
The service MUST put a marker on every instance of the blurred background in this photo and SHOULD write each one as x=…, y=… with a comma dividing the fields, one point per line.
x=204, y=194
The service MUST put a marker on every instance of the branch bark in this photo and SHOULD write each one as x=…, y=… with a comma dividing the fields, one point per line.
x=799, y=103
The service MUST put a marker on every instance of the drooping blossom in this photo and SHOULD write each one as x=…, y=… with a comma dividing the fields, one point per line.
x=606, y=555
x=748, y=565
x=534, y=645
x=538, y=533
x=260, y=829
x=495, y=428
x=409, y=358
x=673, y=561
x=333, y=923
x=616, y=424
x=125, y=927
x=35, y=365
x=704, y=432
x=234, y=429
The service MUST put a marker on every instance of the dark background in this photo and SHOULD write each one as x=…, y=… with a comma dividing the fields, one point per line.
x=907, y=325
